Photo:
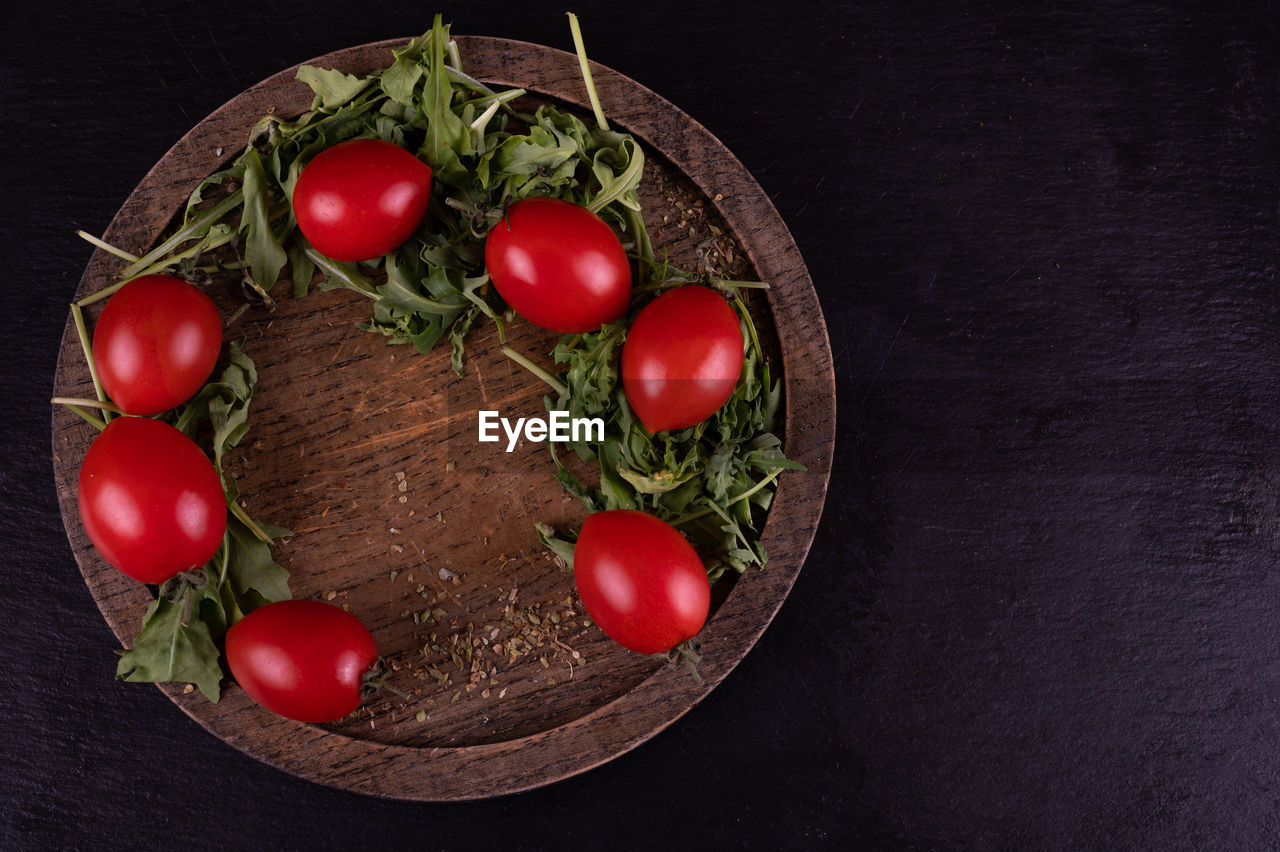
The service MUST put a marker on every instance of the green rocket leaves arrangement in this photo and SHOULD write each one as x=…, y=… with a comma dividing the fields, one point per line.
x=712, y=481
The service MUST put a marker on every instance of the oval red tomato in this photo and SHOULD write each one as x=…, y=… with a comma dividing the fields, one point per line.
x=150, y=500
x=640, y=580
x=361, y=199
x=155, y=343
x=558, y=265
x=301, y=659
x=681, y=358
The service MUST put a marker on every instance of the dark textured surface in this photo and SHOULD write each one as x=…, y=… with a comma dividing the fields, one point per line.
x=1041, y=607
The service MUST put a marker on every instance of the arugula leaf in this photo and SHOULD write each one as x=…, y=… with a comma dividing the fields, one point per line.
x=401, y=79
x=657, y=482
x=447, y=136
x=235, y=173
x=251, y=571
x=263, y=252
x=174, y=643
x=457, y=334
x=562, y=548
x=618, y=170
x=224, y=404
x=302, y=269
x=339, y=275
x=333, y=88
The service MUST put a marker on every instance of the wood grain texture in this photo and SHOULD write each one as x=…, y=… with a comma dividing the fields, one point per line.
x=369, y=454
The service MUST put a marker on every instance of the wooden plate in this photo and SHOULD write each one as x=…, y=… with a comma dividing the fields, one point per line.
x=369, y=454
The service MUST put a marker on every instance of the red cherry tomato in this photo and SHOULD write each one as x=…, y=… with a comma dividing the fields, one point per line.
x=155, y=343
x=682, y=358
x=150, y=500
x=640, y=580
x=301, y=659
x=361, y=199
x=558, y=265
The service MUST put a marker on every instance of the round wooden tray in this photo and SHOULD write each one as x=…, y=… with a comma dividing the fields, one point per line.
x=369, y=454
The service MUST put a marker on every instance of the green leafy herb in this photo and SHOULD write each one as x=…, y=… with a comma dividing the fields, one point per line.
x=332, y=88
x=180, y=630
x=704, y=480
x=263, y=252
x=484, y=155
x=562, y=548
x=175, y=642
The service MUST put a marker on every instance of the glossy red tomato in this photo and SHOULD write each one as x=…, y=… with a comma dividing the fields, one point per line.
x=682, y=358
x=558, y=265
x=640, y=580
x=155, y=343
x=301, y=659
x=361, y=199
x=150, y=500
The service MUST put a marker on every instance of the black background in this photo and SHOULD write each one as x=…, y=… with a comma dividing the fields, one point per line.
x=1042, y=606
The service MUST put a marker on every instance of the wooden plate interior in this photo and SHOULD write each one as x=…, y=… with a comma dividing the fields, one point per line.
x=368, y=452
